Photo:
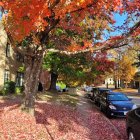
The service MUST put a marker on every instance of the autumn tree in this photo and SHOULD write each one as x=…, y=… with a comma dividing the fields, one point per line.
x=127, y=71
x=31, y=23
x=77, y=69
x=69, y=68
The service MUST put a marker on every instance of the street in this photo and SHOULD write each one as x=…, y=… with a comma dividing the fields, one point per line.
x=135, y=100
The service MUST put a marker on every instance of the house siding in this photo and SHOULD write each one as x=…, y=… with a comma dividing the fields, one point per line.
x=7, y=63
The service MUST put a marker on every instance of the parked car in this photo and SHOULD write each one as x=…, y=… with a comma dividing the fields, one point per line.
x=115, y=104
x=88, y=88
x=93, y=93
x=133, y=124
x=97, y=92
x=90, y=93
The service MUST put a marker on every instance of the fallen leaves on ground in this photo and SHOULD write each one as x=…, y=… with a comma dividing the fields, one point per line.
x=120, y=124
x=53, y=122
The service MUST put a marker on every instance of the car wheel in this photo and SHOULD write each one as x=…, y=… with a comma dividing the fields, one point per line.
x=131, y=135
x=108, y=114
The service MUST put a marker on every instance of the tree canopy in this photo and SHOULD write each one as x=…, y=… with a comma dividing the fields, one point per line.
x=37, y=18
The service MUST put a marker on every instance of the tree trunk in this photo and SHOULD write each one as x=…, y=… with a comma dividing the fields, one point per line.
x=54, y=77
x=107, y=85
x=126, y=85
x=32, y=67
x=115, y=83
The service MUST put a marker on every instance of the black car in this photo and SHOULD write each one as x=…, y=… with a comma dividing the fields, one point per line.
x=133, y=124
x=93, y=92
x=115, y=104
x=97, y=93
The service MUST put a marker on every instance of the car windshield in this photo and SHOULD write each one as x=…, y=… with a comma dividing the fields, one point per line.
x=117, y=97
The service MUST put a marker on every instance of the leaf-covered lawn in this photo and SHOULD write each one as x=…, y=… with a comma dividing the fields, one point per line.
x=64, y=98
x=54, y=122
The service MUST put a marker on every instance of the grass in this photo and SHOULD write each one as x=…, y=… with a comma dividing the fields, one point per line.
x=58, y=97
x=128, y=91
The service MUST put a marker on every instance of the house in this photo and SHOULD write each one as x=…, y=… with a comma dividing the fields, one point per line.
x=10, y=61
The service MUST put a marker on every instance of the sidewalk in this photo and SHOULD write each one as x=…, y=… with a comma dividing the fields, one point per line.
x=101, y=128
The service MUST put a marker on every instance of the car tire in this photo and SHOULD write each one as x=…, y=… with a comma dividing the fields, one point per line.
x=108, y=114
x=131, y=135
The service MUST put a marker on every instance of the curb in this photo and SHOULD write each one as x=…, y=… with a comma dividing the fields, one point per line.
x=116, y=131
x=114, y=128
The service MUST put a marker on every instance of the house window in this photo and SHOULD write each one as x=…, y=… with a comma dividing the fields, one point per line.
x=6, y=76
x=8, y=50
x=19, y=79
x=19, y=57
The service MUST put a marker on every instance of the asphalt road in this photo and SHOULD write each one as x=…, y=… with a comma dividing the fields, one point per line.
x=135, y=100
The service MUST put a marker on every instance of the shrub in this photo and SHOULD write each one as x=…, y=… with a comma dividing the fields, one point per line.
x=19, y=90
x=2, y=92
x=9, y=87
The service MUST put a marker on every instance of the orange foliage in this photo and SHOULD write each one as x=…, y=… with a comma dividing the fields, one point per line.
x=27, y=17
x=75, y=47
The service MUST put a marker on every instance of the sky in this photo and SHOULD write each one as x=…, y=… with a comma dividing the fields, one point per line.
x=120, y=19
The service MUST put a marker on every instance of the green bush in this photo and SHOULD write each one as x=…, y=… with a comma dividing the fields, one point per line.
x=9, y=87
x=3, y=92
x=19, y=90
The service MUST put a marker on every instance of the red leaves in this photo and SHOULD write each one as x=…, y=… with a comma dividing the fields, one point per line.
x=53, y=121
x=1, y=4
x=120, y=124
x=28, y=16
x=103, y=63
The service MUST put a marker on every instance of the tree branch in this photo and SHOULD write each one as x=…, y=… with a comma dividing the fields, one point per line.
x=105, y=46
x=54, y=4
x=18, y=49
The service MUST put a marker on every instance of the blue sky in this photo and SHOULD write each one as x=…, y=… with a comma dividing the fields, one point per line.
x=120, y=19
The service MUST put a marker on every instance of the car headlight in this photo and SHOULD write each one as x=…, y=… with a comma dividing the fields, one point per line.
x=134, y=106
x=112, y=107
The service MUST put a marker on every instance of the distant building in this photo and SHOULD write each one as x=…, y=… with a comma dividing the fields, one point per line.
x=109, y=81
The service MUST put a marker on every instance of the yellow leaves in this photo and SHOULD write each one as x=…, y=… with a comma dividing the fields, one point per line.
x=127, y=71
